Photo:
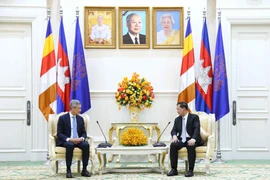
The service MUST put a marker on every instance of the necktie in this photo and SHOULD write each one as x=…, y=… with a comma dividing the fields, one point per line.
x=136, y=40
x=183, y=135
x=74, y=130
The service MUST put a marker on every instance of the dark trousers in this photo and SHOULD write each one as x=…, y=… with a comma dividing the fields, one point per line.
x=174, y=153
x=84, y=146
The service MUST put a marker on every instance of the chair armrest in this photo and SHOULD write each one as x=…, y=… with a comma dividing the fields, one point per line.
x=90, y=141
x=210, y=147
x=52, y=146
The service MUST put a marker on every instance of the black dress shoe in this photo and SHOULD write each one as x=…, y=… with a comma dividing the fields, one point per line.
x=69, y=174
x=86, y=173
x=173, y=172
x=189, y=173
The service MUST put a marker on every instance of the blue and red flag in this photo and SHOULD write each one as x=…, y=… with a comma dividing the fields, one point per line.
x=63, y=73
x=79, y=80
x=204, y=88
x=220, y=82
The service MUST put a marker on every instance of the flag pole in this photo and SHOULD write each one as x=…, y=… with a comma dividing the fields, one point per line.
x=218, y=156
x=48, y=161
x=77, y=12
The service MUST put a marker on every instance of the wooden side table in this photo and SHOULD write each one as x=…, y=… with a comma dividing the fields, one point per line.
x=120, y=127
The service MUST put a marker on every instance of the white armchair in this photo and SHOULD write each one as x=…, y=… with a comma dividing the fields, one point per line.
x=58, y=153
x=207, y=132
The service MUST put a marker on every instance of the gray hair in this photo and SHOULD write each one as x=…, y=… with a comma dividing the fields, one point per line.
x=167, y=15
x=129, y=17
x=74, y=103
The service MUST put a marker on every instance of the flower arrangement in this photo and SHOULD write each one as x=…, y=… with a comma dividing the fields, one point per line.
x=133, y=137
x=134, y=92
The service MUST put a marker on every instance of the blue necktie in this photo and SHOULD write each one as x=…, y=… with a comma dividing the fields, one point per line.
x=74, y=130
x=183, y=135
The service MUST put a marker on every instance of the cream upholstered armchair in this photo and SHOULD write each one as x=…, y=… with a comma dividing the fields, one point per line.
x=207, y=132
x=58, y=153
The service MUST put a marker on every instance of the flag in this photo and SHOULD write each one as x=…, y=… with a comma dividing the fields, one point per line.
x=47, y=97
x=79, y=79
x=63, y=73
x=204, y=88
x=187, y=76
x=220, y=84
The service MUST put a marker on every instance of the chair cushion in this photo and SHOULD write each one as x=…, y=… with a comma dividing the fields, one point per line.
x=62, y=150
x=199, y=149
x=204, y=135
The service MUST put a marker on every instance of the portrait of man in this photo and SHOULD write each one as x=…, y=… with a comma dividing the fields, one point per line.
x=101, y=33
x=99, y=27
x=134, y=24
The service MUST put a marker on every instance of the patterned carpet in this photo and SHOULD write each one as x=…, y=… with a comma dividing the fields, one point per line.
x=230, y=170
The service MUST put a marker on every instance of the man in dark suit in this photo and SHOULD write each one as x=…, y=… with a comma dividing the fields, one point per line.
x=134, y=25
x=185, y=133
x=71, y=133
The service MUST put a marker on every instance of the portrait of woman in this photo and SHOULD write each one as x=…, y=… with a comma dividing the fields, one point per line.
x=168, y=27
x=168, y=35
x=99, y=27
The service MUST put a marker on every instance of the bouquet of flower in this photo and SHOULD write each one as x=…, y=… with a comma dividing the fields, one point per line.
x=135, y=92
x=133, y=137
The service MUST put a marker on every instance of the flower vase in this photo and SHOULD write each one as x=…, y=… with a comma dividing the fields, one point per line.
x=134, y=114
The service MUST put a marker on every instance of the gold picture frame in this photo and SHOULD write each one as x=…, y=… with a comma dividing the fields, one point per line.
x=168, y=27
x=99, y=27
x=134, y=35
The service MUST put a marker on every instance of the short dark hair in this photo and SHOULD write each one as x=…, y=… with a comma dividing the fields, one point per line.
x=183, y=105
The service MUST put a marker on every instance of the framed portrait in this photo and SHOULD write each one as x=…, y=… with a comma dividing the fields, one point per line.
x=133, y=31
x=99, y=27
x=167, y=27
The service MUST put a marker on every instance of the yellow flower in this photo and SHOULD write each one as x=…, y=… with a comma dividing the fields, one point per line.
x=133, y=137
x=137, y=91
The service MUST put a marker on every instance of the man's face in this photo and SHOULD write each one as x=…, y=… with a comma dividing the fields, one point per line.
x=181, y=111
x=166, y=23
x=135, y=25
x=100, y=19
x=76, y=110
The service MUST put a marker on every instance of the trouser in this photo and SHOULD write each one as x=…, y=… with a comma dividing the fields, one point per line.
x=174, y=153
x=84, y=146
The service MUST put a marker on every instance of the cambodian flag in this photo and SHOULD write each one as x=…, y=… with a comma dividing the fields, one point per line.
x=204, y=76
x=220, y=82
x=79, y=82
x=63, y=73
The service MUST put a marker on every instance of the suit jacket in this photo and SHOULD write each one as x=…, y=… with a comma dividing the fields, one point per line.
x=192, y=126
x=64, y=128
x=127, y=39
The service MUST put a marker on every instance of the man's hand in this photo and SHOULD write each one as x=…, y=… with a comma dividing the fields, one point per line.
x=191, y=142
x=175, y=139
x=75, y=140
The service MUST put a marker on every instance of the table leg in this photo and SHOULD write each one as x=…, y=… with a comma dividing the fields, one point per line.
x=119, y=157
x=161, y=159
x=149, y=158
x=100, y=163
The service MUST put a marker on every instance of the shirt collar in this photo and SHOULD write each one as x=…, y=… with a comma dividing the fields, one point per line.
x=133, y=37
